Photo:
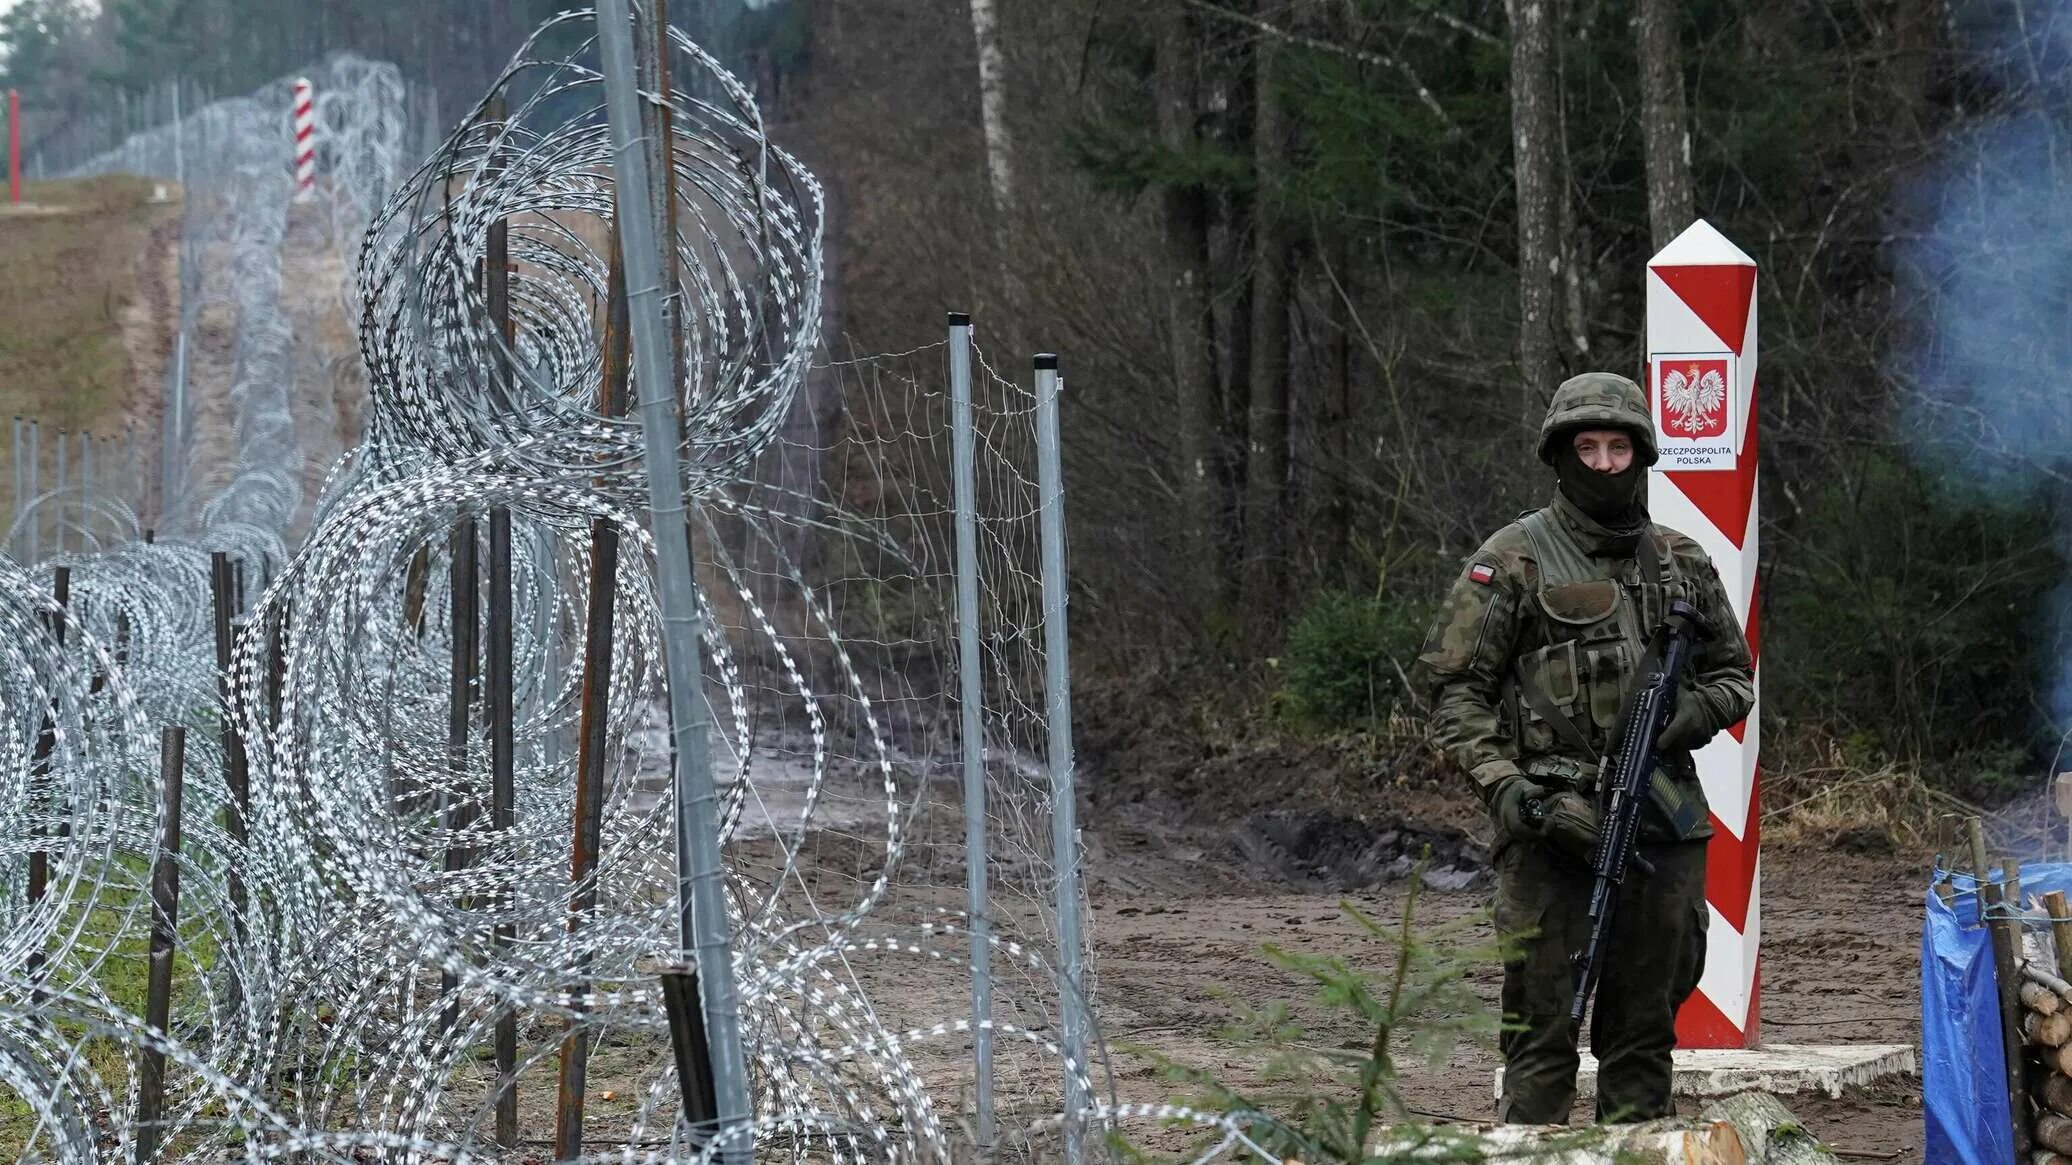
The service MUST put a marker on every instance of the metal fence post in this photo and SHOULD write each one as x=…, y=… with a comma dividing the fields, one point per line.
x=701, y=884
x=1057, y=674
x=970, y=699
x=34, y=464
x=58, y=525
x=17, y=489
x=86, y=490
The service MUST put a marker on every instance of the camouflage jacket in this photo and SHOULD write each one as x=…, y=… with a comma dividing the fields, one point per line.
x=1581, y=639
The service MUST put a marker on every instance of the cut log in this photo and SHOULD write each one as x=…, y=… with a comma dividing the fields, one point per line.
x=2034, y=972
x=2058, y=1059
x=2046, y=1157
x=2054, y=1132
x=1770, y=1134
x=2040, y=999
x=2057, y=1093
x=2047, y=1030
x=1664, y=1142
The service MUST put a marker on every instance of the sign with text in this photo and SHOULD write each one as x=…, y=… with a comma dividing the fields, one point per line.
x=1695, y=410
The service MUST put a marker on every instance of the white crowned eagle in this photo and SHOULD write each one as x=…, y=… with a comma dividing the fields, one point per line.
x=1693, y=398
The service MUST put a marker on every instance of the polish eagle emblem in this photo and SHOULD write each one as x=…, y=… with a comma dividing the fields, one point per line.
x=1694, y=398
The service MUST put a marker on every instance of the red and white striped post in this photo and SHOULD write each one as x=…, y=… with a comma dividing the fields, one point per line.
x=1701, y=377
x=305, y=140
x=14, y=145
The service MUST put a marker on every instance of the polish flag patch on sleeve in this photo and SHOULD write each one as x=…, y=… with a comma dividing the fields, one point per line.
x=1482, y=573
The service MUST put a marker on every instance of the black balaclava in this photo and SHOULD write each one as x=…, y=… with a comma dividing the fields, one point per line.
x=1614, y=500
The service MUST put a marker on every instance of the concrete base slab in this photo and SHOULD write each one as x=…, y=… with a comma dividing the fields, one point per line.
x=1780, y=1068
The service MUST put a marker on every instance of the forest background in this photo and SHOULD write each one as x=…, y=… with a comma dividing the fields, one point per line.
x=1315, y=266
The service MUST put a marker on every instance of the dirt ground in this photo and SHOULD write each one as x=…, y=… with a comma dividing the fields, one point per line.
x=1840, y=965
x=1180, y=914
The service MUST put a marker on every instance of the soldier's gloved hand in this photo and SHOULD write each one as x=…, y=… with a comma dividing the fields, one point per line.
x=1508, y=806
x=1686, y=728
x=1571, y=824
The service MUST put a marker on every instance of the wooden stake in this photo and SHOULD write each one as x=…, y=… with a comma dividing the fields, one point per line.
x=2060, y=930
x=1975, y=833
x=2061, y=791
x=2006, y=980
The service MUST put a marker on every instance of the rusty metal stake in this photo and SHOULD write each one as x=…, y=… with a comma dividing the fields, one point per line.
x=503, y=796
x=165, y=934
x=277, y=663
x=39, y=771
x=236, y=765
x=456, y=802
x=693, y=1053
x=596, y=697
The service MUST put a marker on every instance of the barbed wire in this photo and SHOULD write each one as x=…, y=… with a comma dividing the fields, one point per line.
x=351, y=953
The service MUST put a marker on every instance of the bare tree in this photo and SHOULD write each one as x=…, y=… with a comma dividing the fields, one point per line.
x=992, y=104
x=1535, y=129
x=1206, y=471
x=1664, y=124
x=1266, y=478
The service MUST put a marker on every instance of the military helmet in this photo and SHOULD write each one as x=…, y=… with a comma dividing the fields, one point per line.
x=1599, y=400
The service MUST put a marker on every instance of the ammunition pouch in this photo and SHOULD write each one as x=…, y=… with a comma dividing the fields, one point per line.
x=1561, y=772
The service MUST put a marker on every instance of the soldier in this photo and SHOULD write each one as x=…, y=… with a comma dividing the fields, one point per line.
x=1529, y=666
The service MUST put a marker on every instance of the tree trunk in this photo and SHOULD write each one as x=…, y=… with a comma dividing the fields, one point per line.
x=992, y=106
x=1334, y=475
x=1664, y=124
x=1570, y=241
x=1266, y=477
x=1205, y=471
x=1769, y=1133
x=1534, y=130
x=1662, y=1142
x=1010, y=297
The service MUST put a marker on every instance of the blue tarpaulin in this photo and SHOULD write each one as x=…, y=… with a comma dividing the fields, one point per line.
x=1963, y=1066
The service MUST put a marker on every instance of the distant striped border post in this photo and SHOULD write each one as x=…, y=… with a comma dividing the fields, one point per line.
x=305, y=110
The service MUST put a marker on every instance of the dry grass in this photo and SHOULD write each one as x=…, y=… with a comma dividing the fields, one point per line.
x=1815, y=794
x=65, y=275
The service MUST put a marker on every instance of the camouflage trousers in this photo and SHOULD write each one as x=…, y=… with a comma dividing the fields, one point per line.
x=1653, y=956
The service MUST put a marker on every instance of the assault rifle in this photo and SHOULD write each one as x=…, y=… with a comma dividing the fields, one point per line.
x=1626, y=794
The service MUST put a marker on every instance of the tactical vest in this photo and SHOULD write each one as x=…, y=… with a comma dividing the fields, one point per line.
x=1572, y=690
